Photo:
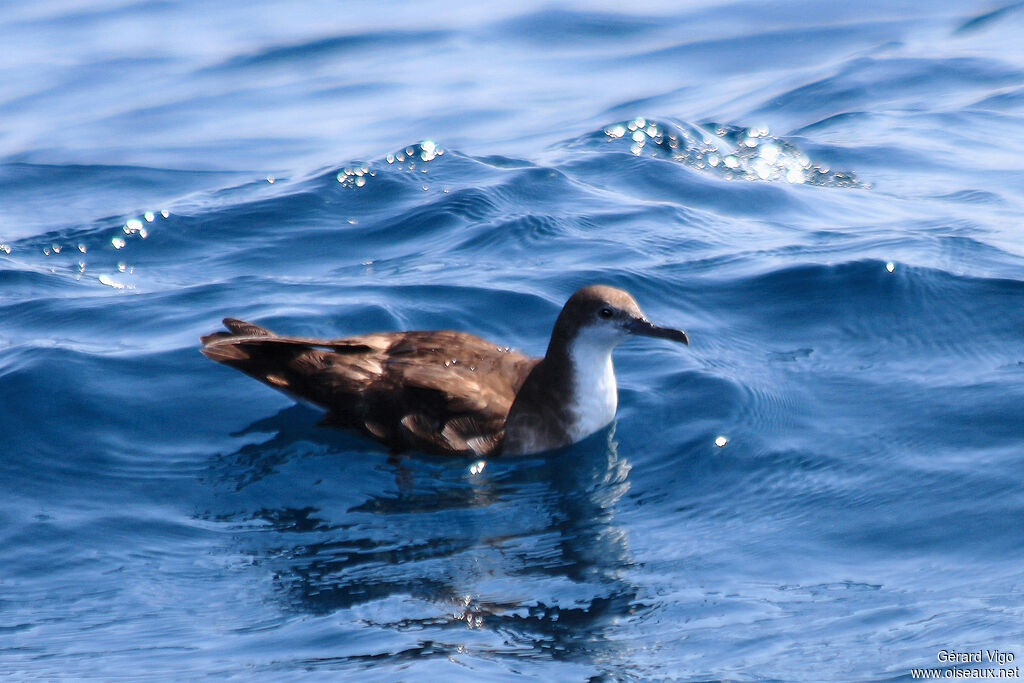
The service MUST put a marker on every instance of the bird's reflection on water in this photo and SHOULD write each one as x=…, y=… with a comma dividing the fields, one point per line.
x=526, y=548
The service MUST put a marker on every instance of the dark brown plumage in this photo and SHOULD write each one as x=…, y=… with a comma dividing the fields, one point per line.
x=441, y=392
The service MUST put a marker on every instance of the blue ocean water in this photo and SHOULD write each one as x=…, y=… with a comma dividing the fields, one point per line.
x=829, y=198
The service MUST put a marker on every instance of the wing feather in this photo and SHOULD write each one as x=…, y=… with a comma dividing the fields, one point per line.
x=440, y=391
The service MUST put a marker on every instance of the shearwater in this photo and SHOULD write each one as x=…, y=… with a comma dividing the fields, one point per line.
x=453, y=393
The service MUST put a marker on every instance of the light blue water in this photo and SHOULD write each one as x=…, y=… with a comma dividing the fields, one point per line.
x=829, y=197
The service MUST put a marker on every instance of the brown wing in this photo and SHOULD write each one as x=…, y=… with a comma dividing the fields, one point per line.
x=440, y=391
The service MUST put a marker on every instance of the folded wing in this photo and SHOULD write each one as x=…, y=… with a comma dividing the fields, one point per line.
x=441, y=391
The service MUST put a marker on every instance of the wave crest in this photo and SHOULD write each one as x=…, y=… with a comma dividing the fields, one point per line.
x=728, y=151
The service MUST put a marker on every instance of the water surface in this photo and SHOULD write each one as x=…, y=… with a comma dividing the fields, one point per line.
x=827, y=197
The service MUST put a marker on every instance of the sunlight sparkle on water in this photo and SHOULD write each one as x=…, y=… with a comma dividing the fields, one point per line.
x=616, y=131
x=427, y=150
x=762, y=168
x=733, y=152
x=106, y=280
x=424, y=151
x=354, y=177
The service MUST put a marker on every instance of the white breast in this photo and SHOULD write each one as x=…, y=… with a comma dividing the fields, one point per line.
x=596, y=394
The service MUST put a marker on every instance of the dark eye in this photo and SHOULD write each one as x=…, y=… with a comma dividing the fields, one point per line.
x=606, y=312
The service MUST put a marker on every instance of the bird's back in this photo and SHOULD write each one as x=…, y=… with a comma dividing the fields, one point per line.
x=441, y=391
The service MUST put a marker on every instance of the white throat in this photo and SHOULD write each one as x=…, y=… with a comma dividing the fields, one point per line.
x=595, y=394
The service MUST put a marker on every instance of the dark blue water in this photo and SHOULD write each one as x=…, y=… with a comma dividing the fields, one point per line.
x=829, y=197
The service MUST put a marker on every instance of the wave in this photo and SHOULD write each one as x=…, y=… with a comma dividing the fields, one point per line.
x=728, y=151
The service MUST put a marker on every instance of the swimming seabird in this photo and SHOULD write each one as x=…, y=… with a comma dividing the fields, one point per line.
x=453, y=393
